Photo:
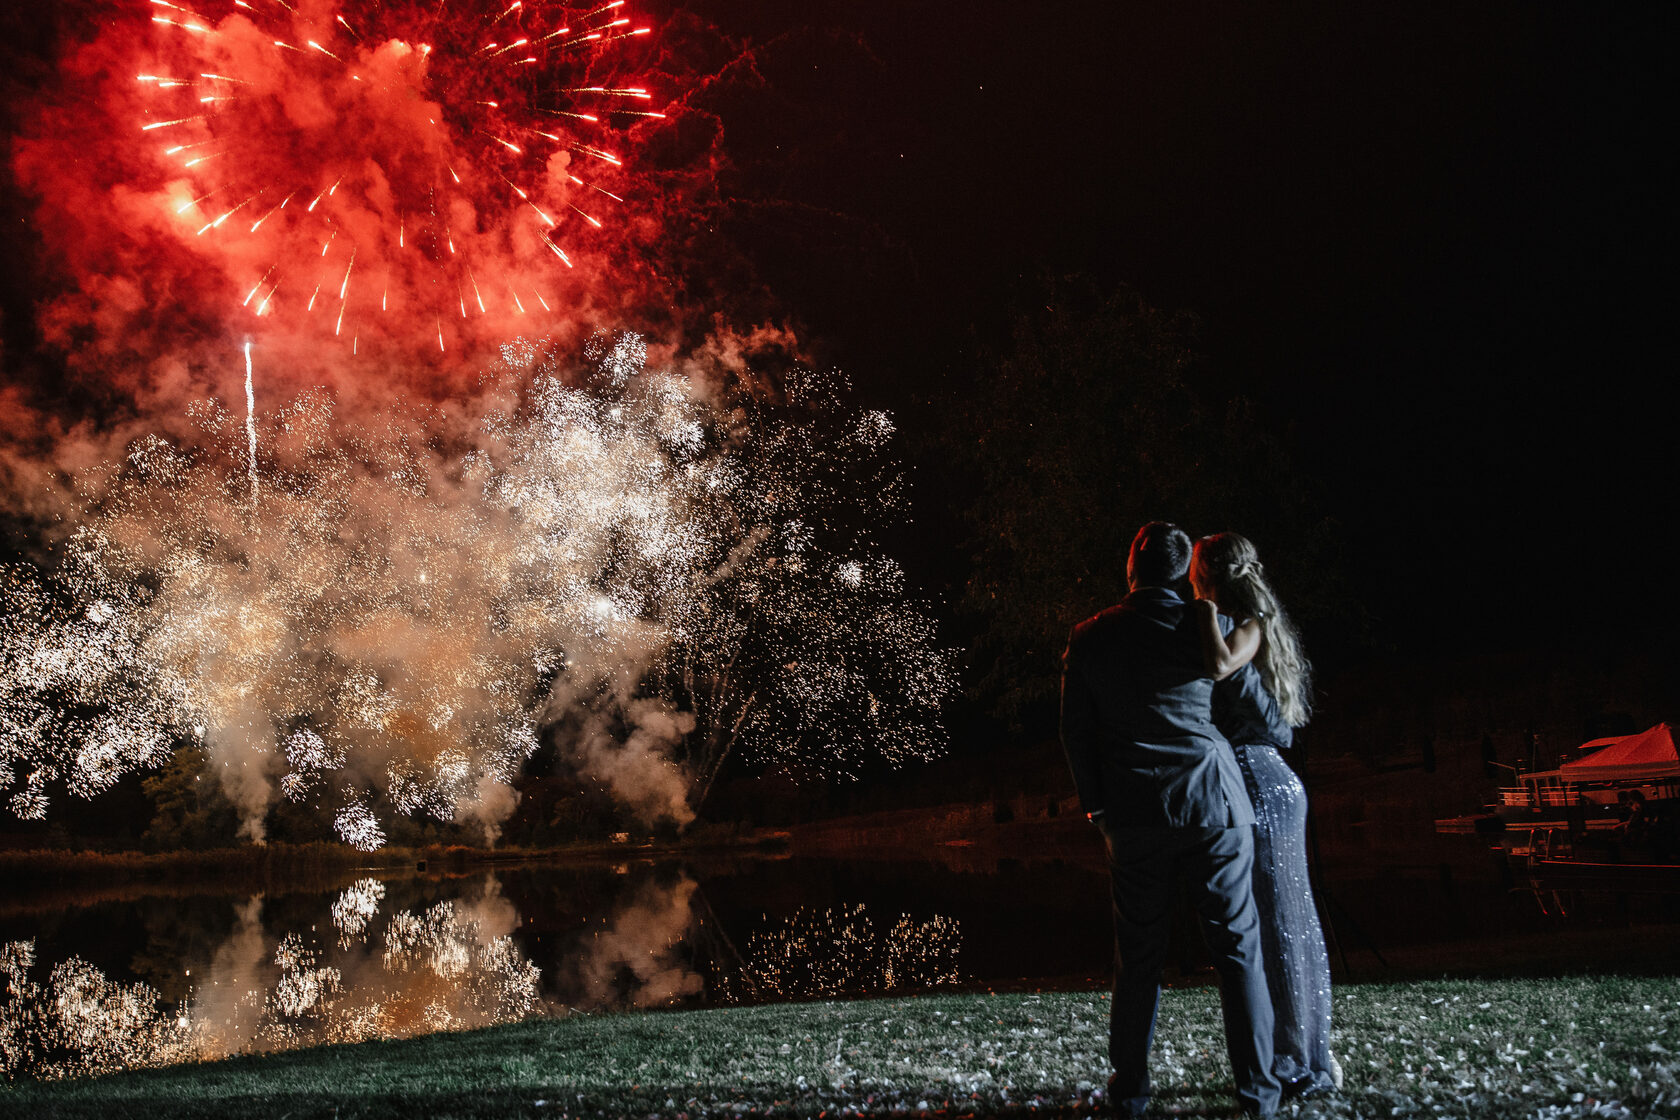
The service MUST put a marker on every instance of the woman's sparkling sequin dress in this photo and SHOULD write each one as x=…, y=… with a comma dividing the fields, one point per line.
x=1297, y=966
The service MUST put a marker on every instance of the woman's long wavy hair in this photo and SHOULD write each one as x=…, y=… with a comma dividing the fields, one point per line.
x=1228, y=563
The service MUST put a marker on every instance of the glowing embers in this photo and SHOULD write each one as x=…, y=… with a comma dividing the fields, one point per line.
x=367, y=172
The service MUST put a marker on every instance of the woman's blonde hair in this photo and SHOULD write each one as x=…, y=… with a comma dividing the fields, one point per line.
x=1229, y=563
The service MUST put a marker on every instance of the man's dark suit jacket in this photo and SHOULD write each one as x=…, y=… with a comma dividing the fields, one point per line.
x=1137, y=723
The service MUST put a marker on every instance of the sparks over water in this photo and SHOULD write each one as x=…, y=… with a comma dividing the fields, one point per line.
x=679, y=571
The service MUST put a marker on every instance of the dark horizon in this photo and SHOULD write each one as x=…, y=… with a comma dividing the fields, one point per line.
x=1423, y=242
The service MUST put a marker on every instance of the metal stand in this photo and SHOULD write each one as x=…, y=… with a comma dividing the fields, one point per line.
x=1327, y=904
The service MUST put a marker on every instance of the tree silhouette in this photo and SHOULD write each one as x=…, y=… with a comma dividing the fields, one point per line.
x=1087, y=426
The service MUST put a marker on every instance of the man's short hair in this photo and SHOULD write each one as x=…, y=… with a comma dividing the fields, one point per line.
x=1160, y=555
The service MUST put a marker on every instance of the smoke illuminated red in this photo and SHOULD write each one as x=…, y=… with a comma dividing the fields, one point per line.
x=381, y=173
x=392, y=218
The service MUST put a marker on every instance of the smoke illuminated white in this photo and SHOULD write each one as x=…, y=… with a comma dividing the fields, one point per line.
x=666, y=571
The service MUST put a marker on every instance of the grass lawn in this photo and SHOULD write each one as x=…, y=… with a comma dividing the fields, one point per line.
x=1528, y=1048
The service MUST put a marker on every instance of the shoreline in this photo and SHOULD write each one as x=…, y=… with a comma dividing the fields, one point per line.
x=955, y=834
x=960, y=836
x=50, y=867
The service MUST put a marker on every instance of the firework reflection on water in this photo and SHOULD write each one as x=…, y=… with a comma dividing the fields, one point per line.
x=450, y=966
x=669, y=573
x=841, y=950
x=382, y=971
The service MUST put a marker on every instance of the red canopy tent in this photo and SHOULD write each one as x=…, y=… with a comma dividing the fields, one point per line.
x=1645, y=756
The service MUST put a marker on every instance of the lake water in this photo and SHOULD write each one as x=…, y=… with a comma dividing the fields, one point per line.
x=131, y=975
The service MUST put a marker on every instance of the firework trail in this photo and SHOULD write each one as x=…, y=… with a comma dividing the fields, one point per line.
x=251, y=433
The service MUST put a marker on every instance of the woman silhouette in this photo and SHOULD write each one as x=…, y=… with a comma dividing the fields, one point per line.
x=1262, y=697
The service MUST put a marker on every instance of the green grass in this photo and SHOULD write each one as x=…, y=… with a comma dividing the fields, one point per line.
x=1508, y=1048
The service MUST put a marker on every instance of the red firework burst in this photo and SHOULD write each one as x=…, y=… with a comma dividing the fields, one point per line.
x=366, y=170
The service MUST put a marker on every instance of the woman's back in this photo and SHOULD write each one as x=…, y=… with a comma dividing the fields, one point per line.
x=1246, y=713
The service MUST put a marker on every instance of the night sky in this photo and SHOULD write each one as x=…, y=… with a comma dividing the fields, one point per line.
x=1426, y=240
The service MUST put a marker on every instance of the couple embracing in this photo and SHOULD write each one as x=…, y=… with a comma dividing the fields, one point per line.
x=1173, y=714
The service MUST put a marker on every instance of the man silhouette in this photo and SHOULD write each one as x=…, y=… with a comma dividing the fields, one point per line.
x=1164, y=789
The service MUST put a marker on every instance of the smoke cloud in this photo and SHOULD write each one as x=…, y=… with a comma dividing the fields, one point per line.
x=367, y=192
x=639, y=959
x=334, y=471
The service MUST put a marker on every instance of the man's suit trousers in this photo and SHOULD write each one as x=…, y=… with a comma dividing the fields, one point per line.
x=1216, y=868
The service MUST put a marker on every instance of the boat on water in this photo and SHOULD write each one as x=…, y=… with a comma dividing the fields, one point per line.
x=1607, y=819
